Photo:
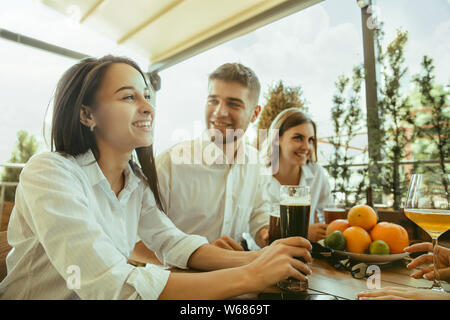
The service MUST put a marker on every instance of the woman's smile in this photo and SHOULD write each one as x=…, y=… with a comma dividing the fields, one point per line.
x=145, y=125
x=301, y=155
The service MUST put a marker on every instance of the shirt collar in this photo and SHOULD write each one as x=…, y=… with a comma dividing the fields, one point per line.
x=306, y=176
x=215, y=154
x=89, y=165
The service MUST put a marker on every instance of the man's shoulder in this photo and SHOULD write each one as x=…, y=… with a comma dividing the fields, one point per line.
x=253, y=158
x=251, y=149
x=176, y=151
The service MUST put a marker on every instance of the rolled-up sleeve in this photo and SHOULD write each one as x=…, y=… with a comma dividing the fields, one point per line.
x=172, y=246
x=325, y=198
x=262, y=206
x=149, y=281
x=60, y=216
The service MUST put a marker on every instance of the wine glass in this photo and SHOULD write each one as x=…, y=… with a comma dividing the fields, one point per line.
x=427, y=204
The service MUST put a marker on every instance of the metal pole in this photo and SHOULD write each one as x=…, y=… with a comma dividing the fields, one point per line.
x=371, y=81
x=38, y=44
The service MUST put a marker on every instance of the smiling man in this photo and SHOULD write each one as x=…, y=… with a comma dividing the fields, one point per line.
x=212, y=186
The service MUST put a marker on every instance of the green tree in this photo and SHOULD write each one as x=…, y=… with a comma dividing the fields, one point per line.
x=25, y=147
x=346, y=115
x=279, y=98
x=432, y=120
x=395, y=114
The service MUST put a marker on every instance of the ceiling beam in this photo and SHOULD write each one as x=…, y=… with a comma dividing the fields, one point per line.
x=149, y=21
x=287, y=8
x=91, y=10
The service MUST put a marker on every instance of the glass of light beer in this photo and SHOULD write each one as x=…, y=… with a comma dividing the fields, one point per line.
x=295, y=204
x=332, y=213
x=428, y=205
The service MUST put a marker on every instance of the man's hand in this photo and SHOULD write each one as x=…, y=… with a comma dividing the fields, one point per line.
x=262, y=237
x=227, y=243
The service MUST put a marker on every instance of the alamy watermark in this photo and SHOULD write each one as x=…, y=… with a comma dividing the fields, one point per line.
x=224, y=150
x=374, y=19
x=374, y=280
x=74, y=280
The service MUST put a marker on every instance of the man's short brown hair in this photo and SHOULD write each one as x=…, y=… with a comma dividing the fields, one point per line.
x=238, y=73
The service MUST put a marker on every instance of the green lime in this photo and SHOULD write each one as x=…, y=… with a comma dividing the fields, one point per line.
x=379, y=247
x=335, y=240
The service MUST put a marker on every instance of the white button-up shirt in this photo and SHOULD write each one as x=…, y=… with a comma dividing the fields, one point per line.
x=314, y=176
x=72, y=237
x=203, y=194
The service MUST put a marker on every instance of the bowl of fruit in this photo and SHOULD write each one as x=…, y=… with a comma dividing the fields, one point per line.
x=362, y=238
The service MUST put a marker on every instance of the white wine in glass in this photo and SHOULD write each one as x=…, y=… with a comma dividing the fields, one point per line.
x=427, y=205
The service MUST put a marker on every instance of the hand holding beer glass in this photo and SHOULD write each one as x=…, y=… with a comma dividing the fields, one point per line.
x=295, y=203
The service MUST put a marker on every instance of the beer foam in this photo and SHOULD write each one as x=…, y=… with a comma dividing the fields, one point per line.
x=299, y=202
x=441, y=212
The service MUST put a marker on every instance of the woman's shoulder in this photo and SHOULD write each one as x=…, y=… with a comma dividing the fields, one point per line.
x=49, y=160
x=50, y=157
x=314, y=166
x=317, y=169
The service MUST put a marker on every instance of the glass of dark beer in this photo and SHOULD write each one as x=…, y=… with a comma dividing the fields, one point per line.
x=274, y=224
x=295, y=204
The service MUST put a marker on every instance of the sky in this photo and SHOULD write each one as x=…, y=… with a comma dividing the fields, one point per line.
x=310, y=49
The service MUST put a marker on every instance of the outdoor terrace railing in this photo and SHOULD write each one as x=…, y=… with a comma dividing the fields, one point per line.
x=354, y=191
x=6, y=184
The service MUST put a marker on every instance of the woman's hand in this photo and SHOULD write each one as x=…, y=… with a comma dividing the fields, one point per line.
x=316, y=231
x=276, y=262
x=400, y=293
x=262, y=237
x=428, y=272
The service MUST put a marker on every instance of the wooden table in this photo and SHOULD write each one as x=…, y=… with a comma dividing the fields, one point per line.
x=339, y=283
x=325, y=279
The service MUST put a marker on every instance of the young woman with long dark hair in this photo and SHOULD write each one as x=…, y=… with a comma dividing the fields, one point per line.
x=80, y=208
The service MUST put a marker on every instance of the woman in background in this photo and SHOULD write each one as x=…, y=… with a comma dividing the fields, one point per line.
x=290, y=150
x=80, y=208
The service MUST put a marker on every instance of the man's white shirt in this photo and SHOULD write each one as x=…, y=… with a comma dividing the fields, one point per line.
x=203, y=193
x=66, y=218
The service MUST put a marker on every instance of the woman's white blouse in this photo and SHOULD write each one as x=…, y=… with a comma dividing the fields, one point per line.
x=314, y=176
x=72, y=237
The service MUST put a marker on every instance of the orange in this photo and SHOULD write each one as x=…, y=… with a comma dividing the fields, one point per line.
x=362, y=216
x=357, y=239
x=393, y=234
x=338, y=224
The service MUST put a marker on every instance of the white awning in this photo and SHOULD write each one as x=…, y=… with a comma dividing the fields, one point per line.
x=169, y=31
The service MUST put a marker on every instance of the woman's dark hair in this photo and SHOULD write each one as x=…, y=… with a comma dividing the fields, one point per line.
x=78, y=86
x=285, y=120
